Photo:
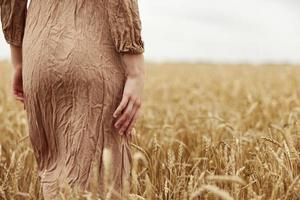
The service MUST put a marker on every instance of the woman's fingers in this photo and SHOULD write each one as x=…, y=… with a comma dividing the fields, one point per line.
x=128, y=124
x=121, y=106
x=125, y=115
x=128, y=120
x=129, y=113
x=18, y=98
x=132, y=122
x=19, y=95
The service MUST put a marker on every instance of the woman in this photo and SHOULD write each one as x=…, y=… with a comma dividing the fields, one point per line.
x=79, y=70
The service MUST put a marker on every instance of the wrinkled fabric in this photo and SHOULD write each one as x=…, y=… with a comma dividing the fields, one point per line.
x=73, y=80
x=13, y=17
x=125, y=25
x=123, y=17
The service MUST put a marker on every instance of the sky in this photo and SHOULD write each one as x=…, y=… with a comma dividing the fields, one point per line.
x=253, y=31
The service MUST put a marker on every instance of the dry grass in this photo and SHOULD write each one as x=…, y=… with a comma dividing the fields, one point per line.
x=206, y=132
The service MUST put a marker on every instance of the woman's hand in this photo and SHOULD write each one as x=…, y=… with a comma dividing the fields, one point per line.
x=128, y=110
x=16, y=57
x=18, y=85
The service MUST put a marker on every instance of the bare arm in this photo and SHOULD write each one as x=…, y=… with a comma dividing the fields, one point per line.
x=13, y=17
x=125, y=26
x=129, y=108
x=16, y=59
x=16, y=56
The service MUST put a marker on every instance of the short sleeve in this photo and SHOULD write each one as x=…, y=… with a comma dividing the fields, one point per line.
x=13, y=16
x=125, y=26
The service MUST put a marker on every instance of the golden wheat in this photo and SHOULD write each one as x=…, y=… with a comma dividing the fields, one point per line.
x=205, y=132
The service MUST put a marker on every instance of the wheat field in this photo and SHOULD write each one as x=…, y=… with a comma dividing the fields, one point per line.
x=205, y=132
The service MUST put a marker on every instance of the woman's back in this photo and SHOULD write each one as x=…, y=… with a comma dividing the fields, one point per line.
x=73, y=81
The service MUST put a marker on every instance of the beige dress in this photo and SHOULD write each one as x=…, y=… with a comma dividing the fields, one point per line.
x=73, y=81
